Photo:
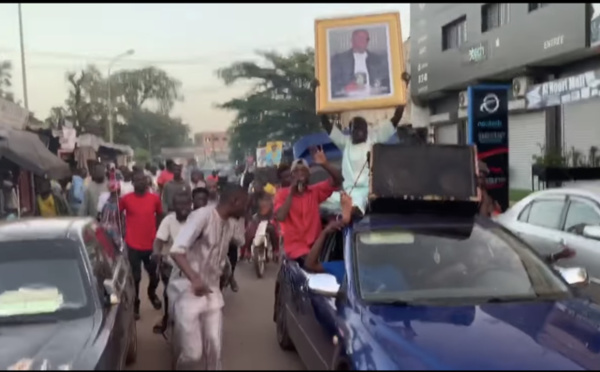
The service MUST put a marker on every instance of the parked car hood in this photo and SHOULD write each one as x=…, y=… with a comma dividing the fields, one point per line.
x=44, y=345
x=541, y=335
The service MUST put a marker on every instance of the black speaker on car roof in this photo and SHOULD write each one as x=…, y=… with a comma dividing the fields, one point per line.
x=426, y=178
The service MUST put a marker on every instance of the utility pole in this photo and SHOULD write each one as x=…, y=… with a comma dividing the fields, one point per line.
x=23, y=68
x=109, y=104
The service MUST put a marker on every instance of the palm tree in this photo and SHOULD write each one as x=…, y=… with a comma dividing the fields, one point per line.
x=6, y=80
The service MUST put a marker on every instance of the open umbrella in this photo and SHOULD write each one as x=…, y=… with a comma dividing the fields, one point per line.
x=27, y=151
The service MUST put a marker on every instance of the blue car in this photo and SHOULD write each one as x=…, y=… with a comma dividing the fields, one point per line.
x=435, y=293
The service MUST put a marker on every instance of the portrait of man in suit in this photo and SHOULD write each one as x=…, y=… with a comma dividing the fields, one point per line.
x=360, y=71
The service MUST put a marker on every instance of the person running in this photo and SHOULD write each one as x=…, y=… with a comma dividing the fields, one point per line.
x=98, y=185
x=354, y=153
x=199, y=253
x=167, y=231
x=199, y=197
x=297, y=206
x=143, y=210
x=173, y=187
x=49, y=203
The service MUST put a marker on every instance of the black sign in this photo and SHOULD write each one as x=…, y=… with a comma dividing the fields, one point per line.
x=488, y=130
x=564, y=90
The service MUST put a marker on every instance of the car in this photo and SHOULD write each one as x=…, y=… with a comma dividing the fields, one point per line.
x=435, y=293
x=66, y=297
x=551, y=218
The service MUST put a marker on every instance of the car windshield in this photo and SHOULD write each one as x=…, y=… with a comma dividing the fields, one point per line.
x=42, y=280
x=425, y=265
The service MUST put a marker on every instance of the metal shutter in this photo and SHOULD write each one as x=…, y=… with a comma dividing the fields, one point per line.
x=526, y=133
x=447, y=134
x=581, y=128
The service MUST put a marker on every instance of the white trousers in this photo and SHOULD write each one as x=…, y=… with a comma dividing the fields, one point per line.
x=199, y=338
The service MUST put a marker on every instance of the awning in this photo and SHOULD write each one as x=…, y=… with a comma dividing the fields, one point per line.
x=27, y=151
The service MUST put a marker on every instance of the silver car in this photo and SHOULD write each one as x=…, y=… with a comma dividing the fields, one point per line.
x=571, y=216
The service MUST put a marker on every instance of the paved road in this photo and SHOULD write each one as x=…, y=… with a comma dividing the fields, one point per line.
x=249, y=332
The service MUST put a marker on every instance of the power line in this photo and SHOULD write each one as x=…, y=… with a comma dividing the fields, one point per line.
x=198, y=60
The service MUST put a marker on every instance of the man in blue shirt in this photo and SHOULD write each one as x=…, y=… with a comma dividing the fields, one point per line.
x=77, y=190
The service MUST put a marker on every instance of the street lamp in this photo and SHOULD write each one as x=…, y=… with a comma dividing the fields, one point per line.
x=110, y=116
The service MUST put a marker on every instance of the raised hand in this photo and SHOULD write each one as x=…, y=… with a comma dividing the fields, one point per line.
x=318, y=155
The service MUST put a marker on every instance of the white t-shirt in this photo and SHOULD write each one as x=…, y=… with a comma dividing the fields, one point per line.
x=168, y=231
x=360, y=65
x=102, y=199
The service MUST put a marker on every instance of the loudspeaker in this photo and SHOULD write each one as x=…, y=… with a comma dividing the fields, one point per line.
x=423, y=177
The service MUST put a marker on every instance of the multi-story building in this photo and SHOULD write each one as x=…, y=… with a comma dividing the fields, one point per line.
x=548, y=55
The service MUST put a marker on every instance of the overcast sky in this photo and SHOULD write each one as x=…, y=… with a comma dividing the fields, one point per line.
x=189, y=41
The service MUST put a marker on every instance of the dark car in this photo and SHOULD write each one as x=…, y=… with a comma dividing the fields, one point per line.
x=435, y=293
x=66, y=297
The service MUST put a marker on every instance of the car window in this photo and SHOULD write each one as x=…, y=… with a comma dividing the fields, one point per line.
x=580, y=214
x=442, y=264
x=546, y=213
x=524, y=215
x=42, y=278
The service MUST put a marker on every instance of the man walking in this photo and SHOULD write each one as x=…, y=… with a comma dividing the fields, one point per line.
x=98, y=186
x=173, y=187
x=143, y=210
x=199, y=252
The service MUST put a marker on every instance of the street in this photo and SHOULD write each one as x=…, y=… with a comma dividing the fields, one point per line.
x=249, y=332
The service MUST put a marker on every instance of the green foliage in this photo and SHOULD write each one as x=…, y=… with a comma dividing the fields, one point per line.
x=141, y=155
x=132, y=92
x=279, y=107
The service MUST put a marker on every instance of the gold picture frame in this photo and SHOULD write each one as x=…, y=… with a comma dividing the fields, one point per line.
x=347, y=89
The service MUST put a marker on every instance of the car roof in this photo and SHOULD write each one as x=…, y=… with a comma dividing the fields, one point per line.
x=40, y=228
x=386, y=221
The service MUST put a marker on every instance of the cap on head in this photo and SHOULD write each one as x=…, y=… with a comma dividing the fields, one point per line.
x=298, y=163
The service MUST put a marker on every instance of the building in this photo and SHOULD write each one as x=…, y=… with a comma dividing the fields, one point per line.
x=548, y=55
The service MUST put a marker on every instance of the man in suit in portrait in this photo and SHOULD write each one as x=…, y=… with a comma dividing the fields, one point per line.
x=359, y=70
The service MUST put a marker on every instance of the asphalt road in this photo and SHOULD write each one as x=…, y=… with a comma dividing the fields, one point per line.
x=249, y=332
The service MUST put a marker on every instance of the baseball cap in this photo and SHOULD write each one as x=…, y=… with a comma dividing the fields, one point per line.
x=298, y=163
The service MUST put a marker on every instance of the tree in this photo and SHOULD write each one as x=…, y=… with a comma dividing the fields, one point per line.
x=6, y=80
x=280, y=105
x=132, y=93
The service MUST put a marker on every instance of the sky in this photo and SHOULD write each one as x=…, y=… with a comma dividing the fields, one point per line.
x=188, y=41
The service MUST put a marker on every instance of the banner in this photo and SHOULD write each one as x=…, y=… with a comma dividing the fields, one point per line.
x=595, y=25
x=488, y=130
x=274, y=152
x=564, y=90
x=261, y=153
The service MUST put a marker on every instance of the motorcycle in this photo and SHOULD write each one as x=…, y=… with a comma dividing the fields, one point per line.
x=261, y=249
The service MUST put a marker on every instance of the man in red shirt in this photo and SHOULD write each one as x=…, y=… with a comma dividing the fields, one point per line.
x=297, y=206
x=166, y=175
x=143, y=211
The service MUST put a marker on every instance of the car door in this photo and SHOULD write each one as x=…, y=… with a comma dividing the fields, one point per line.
x=582, y=211
x=318, y=314
x=101, y=264
x=540, y=222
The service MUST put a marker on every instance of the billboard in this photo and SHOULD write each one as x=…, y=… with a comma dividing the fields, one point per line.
x=527, y=38
x=488, y=131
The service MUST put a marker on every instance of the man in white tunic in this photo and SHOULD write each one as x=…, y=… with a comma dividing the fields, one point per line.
x=199, y=252
x=354, y=154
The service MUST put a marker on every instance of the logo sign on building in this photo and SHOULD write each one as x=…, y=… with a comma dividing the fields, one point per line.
x=475, y=53
x=488, y=131
x=564, y=90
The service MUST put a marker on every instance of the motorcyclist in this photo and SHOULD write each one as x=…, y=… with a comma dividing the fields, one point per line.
x=264, y=213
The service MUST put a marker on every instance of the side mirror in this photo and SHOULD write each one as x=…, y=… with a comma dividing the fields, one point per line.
x=575, y=276
x=592, y=232
x=111, y=293
x=324, y=284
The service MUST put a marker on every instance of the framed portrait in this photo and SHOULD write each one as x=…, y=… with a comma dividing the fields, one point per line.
x=359, y=63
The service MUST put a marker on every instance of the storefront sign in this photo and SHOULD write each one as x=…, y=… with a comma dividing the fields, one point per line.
x=488, y=130
x=564, y=90
x=475, y=54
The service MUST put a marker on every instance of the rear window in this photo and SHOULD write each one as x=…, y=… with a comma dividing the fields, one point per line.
x=42, y=278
